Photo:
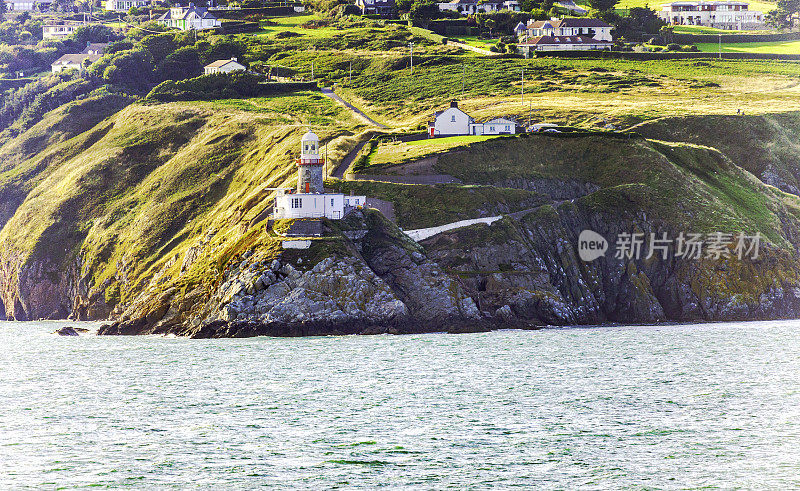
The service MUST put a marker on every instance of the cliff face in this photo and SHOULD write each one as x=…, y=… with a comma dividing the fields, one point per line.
x=155, y=217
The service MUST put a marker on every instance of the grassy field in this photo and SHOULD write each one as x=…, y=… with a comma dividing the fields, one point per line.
x=575, y=92
x=474, y=41
x=293, y=23
x=388, y=153
x=778, y=47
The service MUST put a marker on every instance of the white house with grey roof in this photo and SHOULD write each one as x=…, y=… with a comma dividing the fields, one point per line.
x=224, y=66
x=189, y=18
x=454, y=122
x=77, y=61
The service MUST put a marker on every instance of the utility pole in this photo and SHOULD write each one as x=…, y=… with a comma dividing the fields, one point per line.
x=412, y=58
x=350, y=76
x=312, y=71
x=720, y=46
x=523, y=88
x=463, y=80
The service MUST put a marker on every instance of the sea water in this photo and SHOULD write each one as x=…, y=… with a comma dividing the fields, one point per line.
x=677, y=406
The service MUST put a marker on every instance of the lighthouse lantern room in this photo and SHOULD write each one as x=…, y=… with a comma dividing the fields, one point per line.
x=310, y=200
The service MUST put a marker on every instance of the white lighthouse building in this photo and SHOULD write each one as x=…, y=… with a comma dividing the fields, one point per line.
x=309, y=200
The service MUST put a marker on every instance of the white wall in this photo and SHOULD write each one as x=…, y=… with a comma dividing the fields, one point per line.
x=315, y=205
x=227, y=68
x=452, y=121
x=499, y=127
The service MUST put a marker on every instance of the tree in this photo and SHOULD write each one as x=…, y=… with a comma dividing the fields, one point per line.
x=159, y=45
x=603, y=5
x=423, y=10
x=404, y=5
x=182, y=64
x=132, y=68
x=3, y=9
x=782, y=16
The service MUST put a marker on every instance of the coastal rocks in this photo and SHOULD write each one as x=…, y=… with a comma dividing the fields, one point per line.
x=335, y=290
x=527, y=269
x=70, y=331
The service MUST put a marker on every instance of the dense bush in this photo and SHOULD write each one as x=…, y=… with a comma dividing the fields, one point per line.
x=221, y=86
x=28, y=104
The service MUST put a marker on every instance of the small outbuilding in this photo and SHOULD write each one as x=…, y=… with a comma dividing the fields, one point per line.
x=224, y=66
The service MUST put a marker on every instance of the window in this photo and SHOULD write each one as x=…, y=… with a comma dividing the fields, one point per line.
x=306, y=147
x=357, y=202
x=297, y=202
x=491, y=128
x=508, y=128
x=331, y=201
x=453, y=118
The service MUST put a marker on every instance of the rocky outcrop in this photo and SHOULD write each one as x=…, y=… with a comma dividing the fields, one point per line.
x=527, y=271
x=374, y=281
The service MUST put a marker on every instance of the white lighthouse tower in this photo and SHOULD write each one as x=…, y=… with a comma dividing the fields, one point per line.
x=310, y=166
x=309, y=199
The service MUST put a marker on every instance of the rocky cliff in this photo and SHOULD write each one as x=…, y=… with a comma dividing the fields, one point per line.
x=156, y=218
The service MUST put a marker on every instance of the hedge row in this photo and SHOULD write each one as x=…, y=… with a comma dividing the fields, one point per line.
x=628, y=55
x=247, y=12
x=223, y=86
x=682, y=38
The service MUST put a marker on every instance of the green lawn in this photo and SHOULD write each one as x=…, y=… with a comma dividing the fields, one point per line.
x=474, y=41
x=777, y=47
x=391, y=153
x=293, y=23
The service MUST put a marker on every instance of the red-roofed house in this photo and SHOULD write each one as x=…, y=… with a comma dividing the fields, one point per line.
x=569, y=34
x=594, y=28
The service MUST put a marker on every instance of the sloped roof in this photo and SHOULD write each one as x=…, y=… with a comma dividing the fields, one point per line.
x=568, y=22
x=221, y=63
x=97, y=47
x=500, y=120
x=186, y=12
x=76, y=58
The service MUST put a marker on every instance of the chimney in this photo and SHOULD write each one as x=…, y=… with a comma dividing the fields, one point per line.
x=233, y=58
x=454, y=104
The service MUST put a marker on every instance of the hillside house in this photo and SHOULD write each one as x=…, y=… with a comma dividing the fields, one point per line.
x=450, y=122
x=385, y=8
x=224, y=66
x=454, y=122
x=571, y=34
x=77, y=61
x=25, y=5
x=125, y=5
x=469, y=7
x=584, y=27
x=59, y=31
x=721, y=15
x=94, y=48
x=189, y=18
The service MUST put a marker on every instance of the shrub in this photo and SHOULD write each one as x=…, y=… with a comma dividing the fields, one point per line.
x=673, y=47
x=221, y=86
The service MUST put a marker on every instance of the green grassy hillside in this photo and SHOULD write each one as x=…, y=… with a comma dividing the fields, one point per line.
x=121, y=206
x=143, y=186
x=766, y=145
